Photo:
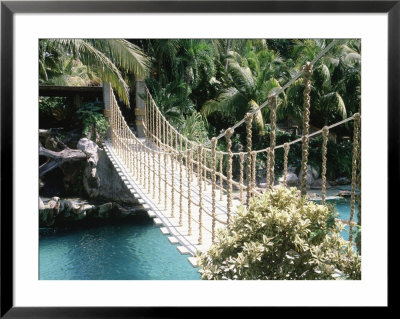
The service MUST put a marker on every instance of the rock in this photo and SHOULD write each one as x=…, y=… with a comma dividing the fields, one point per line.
x=312, y=195
x=292, y=179
x=91, y=181
x=315, y=172
x=64, y=211
x=318, y=184
x=41, y=204
x=342, y=181
x=291, y=169
x=344, y=193
x=309, y=178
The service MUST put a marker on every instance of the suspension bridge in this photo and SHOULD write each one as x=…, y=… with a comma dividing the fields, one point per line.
x=188, y=188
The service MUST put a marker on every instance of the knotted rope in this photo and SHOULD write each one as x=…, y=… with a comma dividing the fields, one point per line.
x=248, y=120
x=286, y=147
x=200, y=197
x=241, y=177
x=325, y=132
x=354, y=174
x=228, y=136
x=213, y=185
x=274, y=106
x=307, y=68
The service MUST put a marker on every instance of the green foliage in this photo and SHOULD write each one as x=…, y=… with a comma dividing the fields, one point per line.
x=281, y=236
x=94, y=123
x=47, y=104
x=194, y=127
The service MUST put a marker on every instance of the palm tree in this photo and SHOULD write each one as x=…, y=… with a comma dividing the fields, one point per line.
x=249, y=81
x=110, y=59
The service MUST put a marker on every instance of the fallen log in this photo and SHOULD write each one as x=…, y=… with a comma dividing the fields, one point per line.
x=55, y=159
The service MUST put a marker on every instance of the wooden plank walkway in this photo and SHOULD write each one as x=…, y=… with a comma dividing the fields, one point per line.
x=168, y=216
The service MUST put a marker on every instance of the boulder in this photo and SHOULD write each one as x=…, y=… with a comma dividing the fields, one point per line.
x=291, y=169
x=315, y=172
x=41, y=204
x=91, y=181
x=292, y=179
x=342, y=181
x=309, y=177
x=318, y=184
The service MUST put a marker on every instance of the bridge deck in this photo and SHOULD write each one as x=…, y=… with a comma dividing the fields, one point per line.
x=167, y=217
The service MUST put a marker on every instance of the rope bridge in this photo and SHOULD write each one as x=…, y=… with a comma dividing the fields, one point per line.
x=185, y=185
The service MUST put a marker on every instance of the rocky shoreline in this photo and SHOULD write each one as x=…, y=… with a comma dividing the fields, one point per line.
x=56, y=212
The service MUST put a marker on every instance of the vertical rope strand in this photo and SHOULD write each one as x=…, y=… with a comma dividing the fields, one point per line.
x=180, y=185
x=354, y=174
x=248, y=120
x=200, y=199
x=274, y=105
x=253, y=173
x=213, y=185
x=286, y=147
x=241, y=155
x=228, y=135
x=268, y=175
x=189, y=176
x=325, y=132
x=221, y=188
x=307, y=68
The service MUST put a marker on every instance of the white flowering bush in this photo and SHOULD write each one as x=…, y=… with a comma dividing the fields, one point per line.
x=281, y=236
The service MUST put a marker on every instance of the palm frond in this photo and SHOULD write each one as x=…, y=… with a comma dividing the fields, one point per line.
x=91, y=56
x=125, y=55
x=334, y=102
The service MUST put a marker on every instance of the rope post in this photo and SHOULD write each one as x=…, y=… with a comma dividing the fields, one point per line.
x=286, y=147
x=241, y=155
x=248, y=120
x=228, y=135
x=274, y=106
x=354, y=174
x=213, y=184
x=189, y=176
x=307, y=68
x=200, y=199
x=325, y=132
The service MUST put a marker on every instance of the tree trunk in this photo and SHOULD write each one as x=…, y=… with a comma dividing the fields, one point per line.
x=55, y=159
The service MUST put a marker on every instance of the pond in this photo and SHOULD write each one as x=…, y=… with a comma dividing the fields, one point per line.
x=128, y=250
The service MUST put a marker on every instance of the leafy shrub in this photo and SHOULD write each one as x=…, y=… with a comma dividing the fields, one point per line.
x=281, y=236
x=94, y=123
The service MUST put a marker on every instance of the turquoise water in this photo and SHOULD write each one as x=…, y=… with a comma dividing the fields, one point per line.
x=342, y=207
x=129, y=250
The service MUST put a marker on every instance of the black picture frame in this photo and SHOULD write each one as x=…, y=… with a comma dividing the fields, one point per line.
x=9, y=8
